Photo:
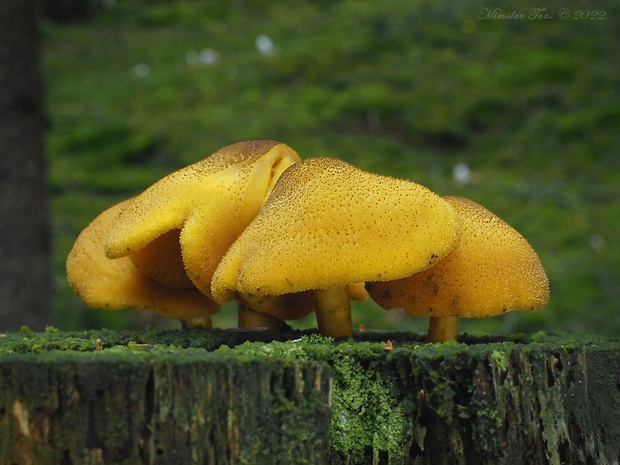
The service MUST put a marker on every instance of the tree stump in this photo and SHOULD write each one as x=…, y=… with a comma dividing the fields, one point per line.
x=220, y=397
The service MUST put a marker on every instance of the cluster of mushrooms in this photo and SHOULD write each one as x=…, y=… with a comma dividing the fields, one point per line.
x=284, y=237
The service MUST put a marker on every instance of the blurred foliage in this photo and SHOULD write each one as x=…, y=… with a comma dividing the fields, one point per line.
x=406, y=88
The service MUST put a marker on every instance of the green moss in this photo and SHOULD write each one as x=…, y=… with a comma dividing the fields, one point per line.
x=499, y=359
x=85, y=341
x=287, y=350
x=488, y=424
x=368, y=412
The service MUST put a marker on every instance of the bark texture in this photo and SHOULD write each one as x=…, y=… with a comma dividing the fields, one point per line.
x=26, y=283
x=221, y=398
x=499, y=403
x=112, y=410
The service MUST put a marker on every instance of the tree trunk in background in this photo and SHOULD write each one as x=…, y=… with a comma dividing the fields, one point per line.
x=25, y=271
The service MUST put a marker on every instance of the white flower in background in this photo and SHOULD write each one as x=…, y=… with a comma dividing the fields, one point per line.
x=461, y=174
x=209, y=57
x=141, y=70
x=264, y=45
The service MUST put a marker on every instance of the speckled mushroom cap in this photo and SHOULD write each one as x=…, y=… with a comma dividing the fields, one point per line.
x=492, y=270
x=209, y=202
x=327, y=223
x=118, y=284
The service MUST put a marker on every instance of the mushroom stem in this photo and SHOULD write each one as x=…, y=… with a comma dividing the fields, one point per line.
x=203, y=322
x=442, y=329
x=333, y=313
x=247, y=317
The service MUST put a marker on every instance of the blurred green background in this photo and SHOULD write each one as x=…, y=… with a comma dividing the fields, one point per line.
x=527, y=109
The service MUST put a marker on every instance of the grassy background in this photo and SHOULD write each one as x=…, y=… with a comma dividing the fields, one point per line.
x=404, y=88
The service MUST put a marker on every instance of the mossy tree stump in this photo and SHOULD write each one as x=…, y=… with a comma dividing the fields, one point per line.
x=169, y=397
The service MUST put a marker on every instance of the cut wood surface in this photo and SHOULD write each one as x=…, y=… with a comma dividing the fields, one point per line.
x=223, y=397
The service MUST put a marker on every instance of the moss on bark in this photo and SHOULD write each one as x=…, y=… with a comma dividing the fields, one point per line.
x=237, y=397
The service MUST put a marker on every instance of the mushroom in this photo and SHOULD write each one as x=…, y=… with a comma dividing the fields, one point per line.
x=270, y=311
x=118, y=284
x=327, y=225
x=491, y=270
x=202, y=209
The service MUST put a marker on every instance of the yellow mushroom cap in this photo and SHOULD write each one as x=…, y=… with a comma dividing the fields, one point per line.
x=327, y=223
x=118, y=284
x=161, y=261
x=357, y=291
x=210, y=202
x=492, y=270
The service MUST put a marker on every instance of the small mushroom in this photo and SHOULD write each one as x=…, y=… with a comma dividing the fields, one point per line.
x=491, y=270
x=199, y=210
x=327, y=225
x=118, y=284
